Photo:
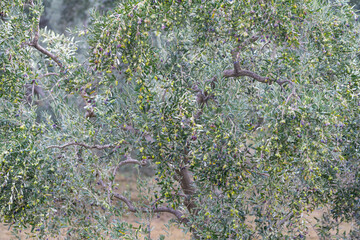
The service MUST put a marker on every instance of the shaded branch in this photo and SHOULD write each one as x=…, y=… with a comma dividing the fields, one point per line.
x=180, y=216
x=212, y=81
x=2, y=16
x=281, y=82
x=250, y=40
x=203, y=97
x=293, y=94
x=36, y=95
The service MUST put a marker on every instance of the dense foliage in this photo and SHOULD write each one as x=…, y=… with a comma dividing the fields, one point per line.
x=246, y=109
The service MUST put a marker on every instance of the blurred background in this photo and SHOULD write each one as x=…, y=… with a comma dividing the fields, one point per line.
x=60, y=15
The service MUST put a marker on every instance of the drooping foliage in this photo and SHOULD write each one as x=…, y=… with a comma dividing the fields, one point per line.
x=246, y=109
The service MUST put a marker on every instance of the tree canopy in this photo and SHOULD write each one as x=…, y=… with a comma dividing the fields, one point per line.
x=243, y=108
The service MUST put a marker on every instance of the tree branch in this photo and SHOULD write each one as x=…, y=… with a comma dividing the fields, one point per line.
x=31, y=91
x=184, y=177
x=89, y=109
x=129, y=204
x=284, y=81
x=241, y=72
x=48, y=74
x=238, y=72
x=247, y=73
x=129, y=160
x=281, y=222
x=235, y=52
x=35, y=43
x=129, y=128
x=99, y=147
x=180, y=216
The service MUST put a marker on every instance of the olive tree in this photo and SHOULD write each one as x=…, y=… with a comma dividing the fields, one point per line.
x=245, y=109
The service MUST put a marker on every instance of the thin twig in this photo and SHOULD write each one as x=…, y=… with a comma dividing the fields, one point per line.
x=99, y=147
x=236, y=52
x=48, y=74
x=293, y=94
x=264, y=45
x=278, y=225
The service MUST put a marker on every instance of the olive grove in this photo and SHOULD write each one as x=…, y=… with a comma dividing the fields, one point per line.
x=245, y=110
